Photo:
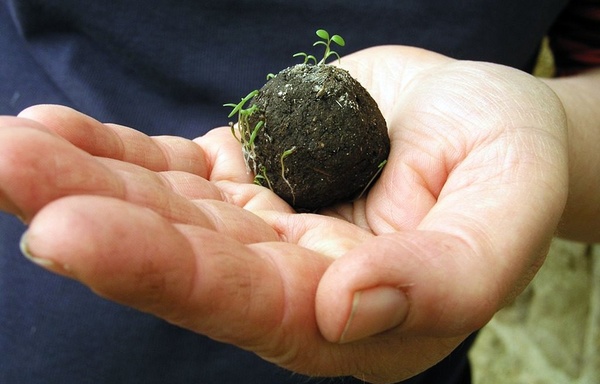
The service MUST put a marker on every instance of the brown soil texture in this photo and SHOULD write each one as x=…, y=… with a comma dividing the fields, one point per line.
x=324, y=138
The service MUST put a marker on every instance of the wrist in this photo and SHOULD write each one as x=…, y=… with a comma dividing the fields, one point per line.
x=580, y=97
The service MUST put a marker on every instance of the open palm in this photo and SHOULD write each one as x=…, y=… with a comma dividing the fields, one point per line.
x=454, y=228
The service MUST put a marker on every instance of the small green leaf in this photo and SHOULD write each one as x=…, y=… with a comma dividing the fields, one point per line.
x=339, y=40
x=236, y=108
x=306, y=57
x=334, y=53
x=257, y=128
x=323, y=34
x=301, y=54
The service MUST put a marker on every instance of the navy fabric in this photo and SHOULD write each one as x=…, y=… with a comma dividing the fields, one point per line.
x=167, y=67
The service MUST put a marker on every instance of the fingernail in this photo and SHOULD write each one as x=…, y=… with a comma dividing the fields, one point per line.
x=374, y=311
x=24, y=246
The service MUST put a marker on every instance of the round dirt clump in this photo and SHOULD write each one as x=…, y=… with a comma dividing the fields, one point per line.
x=322, y=138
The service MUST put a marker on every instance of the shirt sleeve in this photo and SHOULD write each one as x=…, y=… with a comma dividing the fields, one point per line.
x=575, y=37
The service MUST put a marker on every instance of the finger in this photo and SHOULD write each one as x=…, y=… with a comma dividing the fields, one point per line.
x=38, y=167
x=193, y=277
x=327, y=236
x=252, y=197
x=259, y=297
x=184, y=198
x=217, y=156
x=6, y=203
x=224, y=157
x=118, y=142
x=231, y=175
x=413, y=281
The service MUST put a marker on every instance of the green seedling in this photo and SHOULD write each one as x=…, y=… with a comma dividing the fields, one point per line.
x=307, y=58
x=262, y=176
x=239, y=107
x=326, y=40
x=247, y=134
x=247, y=138
x=281, y=159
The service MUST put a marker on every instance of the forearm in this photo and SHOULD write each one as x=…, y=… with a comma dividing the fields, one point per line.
x=580, y=95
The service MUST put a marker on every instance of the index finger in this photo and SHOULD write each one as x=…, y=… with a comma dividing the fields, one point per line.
x=161, y=153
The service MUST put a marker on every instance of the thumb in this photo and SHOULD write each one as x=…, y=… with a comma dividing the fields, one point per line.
x=418, y=282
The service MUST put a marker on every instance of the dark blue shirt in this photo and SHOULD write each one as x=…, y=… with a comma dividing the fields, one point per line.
x=166, y=67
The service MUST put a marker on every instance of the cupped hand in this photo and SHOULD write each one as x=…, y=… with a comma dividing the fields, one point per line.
x=380, y=288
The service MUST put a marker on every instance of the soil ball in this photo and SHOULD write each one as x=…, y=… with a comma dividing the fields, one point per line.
x=322, y=138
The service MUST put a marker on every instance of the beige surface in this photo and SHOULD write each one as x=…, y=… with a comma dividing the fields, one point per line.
x=551, y=334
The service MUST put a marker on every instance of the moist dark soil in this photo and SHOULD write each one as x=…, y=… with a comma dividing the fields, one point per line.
x=323, y=140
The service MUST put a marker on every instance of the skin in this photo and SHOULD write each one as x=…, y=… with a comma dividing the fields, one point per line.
x=382, y=288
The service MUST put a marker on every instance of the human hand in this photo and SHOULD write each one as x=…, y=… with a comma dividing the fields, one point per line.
x=454, y=228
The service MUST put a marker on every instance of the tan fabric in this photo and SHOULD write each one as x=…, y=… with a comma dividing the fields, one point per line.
x=551, y=333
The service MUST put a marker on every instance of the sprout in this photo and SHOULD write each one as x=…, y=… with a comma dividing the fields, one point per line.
x=247, y=133
x=326, y=40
